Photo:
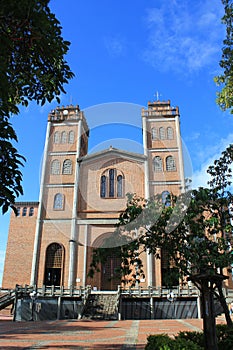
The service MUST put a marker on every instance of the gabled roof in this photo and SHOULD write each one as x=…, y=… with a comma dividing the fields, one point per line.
x=113, y=152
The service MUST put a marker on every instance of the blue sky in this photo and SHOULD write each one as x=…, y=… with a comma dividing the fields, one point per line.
x=126, y=52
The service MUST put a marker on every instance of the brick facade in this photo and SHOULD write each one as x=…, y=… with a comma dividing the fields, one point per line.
x=83, y=194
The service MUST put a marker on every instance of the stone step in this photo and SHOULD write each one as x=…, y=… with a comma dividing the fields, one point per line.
x=101, y=306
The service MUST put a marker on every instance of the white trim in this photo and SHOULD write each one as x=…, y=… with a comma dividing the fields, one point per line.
x=36, y=249
x=166, y=182
x=80, y=222
x=69, y=121
x=175, y=149
x=96, y=221
x=62, y=153
x=74, y=230
x=59, y=185
x=181, y=162
x=161, y=119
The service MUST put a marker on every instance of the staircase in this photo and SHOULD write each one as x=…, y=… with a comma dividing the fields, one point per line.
x=101, y=306
x=7, y=299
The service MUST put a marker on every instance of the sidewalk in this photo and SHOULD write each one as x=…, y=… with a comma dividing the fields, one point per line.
x=89, y=335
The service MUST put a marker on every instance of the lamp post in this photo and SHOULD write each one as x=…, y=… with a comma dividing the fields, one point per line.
x=33, y=296
x=172, y=297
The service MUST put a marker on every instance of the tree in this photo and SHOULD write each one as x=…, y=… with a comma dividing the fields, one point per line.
x=33, y=68
x=225, y=80
x=197, y=238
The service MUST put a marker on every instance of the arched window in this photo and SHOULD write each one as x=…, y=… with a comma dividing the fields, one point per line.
x=154, y=135
x=58, y=203
x=63, y=137
x=158, y=166
x=162, y=133
x=103, y=186
x=56, y=138
x=170, y=163
x=24, y=211
x=31, y=211
x=119, y=186
x=67, y=167
x=170, y=135
x=166, y=200
x=54, y=264
x=111, y=184
x=18, y=211
x=55, y=167
x=71, y=136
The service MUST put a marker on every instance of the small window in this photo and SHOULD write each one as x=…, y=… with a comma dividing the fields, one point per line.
x=119, y=186
x=170, y=163
x=158, y=166
x=162, y=133
x=67, y=167
x=63, y=137
x=56, y=137
x=154, y=135
x=58, y=203
x=18, y=211
x=166, y=200
x=24, y=211
x=111, y=182
x=31, y=211
x=170, y=135
x=71, y=136
x=103, y=186
x=55, y=167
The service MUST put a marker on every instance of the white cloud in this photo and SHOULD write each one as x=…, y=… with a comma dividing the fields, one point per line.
x=200, y=176
x=184, y=36
x=115, y=45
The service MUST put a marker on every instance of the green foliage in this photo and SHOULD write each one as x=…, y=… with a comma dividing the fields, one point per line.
x=225, y=80
x=10, y=161
x=195, y=337
x=33, y=68
x=196, y=237
x=32, y=54
x=225, y=337
x=164, y=342
x=190, y=340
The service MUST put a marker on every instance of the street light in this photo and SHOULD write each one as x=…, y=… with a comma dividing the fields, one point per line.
x=172, y=297
x=33, y=296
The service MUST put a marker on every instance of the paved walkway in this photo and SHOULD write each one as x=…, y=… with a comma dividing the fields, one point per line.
x=88, y=335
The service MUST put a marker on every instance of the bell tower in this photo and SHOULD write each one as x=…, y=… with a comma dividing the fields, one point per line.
x=55, y=245
x=163, y=147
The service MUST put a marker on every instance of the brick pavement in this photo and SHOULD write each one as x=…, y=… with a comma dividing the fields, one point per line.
x=88, y=335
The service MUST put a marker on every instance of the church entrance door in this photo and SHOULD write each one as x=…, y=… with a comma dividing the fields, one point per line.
x=110, y=273
x=54, y=265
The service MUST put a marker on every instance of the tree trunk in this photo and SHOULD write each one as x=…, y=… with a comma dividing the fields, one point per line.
x=224, y=305
x=209, y=325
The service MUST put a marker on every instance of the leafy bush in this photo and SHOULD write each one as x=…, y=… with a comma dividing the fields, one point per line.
x=190, y=340
x=195, y=337
x=225, y=337
x=164, y=342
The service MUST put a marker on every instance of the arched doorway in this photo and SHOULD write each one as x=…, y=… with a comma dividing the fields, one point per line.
x=108, y=277
x=54, y=265
x=110, y=272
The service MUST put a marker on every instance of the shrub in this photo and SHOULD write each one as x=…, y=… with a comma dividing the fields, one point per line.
x=163, y=342
x=225, y=337
x=191, y=340
x=195, y=337
x=158, y=342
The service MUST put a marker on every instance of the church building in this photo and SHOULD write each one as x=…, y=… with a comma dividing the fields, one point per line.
x=82, y=195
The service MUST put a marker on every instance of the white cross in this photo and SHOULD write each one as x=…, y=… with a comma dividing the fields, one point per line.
x=157, y=94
